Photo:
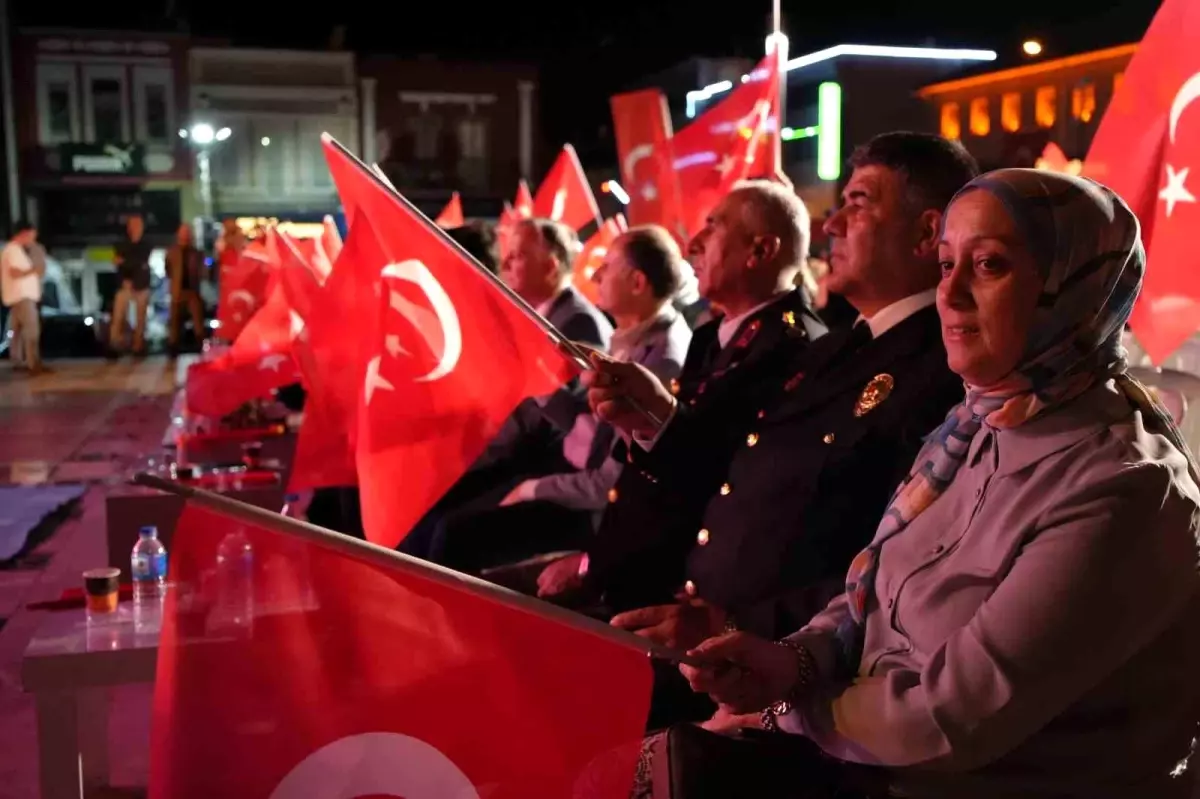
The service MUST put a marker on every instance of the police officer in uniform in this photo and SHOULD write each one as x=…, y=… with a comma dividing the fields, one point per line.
x=820, y=456
x=746, y=259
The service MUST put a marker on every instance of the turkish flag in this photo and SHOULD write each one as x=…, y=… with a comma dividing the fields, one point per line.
x=331, y=239
x=1144, y=149
x=727, y=143
x=298, y=663
x=523, y=204
x=243, y=290
x=565, y=195
x=642, y=126
x=219, y=387
x=454, y=356
x=452, y=214
x=591, y=257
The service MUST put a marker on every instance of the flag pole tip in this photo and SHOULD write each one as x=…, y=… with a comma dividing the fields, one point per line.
x=326, y=138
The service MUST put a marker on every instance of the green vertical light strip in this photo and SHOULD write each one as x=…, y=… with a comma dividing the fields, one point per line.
x=829, y=131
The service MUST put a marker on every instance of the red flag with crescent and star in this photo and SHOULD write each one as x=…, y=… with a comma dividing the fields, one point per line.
x=1145, y=148
x=565, y=195
x=642, y=128
x=727, y=143
x=453, y=357
x=295, y=663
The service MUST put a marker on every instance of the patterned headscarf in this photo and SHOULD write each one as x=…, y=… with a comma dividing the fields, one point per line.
x=1088, y=251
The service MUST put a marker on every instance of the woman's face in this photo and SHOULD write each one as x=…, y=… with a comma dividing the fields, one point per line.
x=988, y=292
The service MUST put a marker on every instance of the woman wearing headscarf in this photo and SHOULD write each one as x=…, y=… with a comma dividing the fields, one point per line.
x=1024, y=622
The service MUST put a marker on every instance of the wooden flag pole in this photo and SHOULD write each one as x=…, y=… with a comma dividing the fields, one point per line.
x=390, y=559
x=570, y=348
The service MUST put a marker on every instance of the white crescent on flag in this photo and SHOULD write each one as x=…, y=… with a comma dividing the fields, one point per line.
x=443, y=315
x=376, y=764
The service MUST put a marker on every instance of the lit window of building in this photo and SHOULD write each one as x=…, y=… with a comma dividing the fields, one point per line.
x=1045, y=109
x=951, y=126
x=1010, y=112
x=1083, y=102
x=981, y=120
x=1118, y=79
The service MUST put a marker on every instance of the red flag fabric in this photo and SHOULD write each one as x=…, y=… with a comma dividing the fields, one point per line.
x=219, y=387
x=454, y=357
x=642, y=126
x=295, y=667
x=243, y=290
x=565, y=195
x=726, y=143
x=324, y=454
x=523, y=204
x=1144, y=149
x=331, y=239
x=592, y=256
x=452, y=214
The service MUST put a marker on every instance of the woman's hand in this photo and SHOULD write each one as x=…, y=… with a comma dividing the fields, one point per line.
x=748, y=673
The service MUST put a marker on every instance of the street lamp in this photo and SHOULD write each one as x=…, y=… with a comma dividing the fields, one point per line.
x=203, y=135
x=1032, y=47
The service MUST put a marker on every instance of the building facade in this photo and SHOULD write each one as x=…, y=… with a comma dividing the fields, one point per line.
x=437, y=127
x=274, y=104
x=1007, y=117
x=97, y=115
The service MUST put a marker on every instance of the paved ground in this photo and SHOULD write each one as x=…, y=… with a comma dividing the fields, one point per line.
x=89, y=422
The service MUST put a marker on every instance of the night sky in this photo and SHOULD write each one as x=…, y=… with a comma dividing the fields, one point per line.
x=587, y=51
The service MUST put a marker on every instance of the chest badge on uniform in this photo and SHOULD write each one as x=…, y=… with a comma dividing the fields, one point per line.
x=875, y=392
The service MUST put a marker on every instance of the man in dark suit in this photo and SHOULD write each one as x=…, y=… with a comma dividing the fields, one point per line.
x=537, y=267
x=816, y=462
x=746, y=260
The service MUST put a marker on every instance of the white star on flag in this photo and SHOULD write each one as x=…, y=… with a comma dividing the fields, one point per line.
x=374, y=380
x=1175, y=191
x=649, y=193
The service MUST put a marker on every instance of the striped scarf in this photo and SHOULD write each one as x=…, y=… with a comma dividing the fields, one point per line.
x=1089, y=254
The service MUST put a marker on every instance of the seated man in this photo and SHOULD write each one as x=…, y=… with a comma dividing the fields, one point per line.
x=638, y=280
x=537, y=267
x=816, y=462
x=746, y=259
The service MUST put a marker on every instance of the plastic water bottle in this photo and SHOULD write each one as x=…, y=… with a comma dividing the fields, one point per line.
x=291, y=506
x=149, y=569
x=234, y=611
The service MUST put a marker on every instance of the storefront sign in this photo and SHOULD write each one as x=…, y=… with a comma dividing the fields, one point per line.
x=102, y=159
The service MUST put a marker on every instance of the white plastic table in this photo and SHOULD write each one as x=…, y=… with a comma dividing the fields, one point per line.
x=69, y=667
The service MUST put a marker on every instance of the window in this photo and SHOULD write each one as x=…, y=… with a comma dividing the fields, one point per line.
x=981, y=119
x=426, y=130
x=951, y=127
x=1010, y=112
x=1083, y=102
x=1118, y=79
x=271, y=161
x=473, y=151
x=104, y=102
x=57, y=101
x=1045, y=109
x=154, y=104
x=230, y=159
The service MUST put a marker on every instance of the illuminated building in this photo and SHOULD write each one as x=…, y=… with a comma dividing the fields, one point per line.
x=1007, y=117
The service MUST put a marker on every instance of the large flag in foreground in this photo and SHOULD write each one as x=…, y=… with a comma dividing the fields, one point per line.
x=453, y=356
x=297, y=663
x=1145, y=148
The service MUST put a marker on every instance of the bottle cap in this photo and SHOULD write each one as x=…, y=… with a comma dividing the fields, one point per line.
x=149, y=531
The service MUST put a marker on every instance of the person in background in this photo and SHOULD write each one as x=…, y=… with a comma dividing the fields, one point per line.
x=479, y=240
x=21, y=287
x=133, y=275
x=185, y=265
x=638, y=279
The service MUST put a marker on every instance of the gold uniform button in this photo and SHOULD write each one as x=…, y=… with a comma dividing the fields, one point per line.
x=689, y=588
x=829, y=438
x=751, y=439
x=702, y=537
x=612, y=495
x=725, y=489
